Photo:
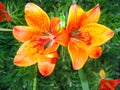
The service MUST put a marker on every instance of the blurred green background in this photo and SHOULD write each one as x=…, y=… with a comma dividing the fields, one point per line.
x=63, y=77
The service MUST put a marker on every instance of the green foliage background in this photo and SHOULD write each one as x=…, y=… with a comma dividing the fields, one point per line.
x=63, y=77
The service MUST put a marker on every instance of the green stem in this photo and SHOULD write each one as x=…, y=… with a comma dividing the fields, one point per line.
x=35, y=78
x=83, y=80
x=4, y=29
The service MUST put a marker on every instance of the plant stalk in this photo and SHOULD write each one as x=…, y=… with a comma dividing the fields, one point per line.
x=4, y=29
x=35, y=78
x=83, y=80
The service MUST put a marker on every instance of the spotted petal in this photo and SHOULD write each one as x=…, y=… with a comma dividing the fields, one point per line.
x=99, y=33
x=78, y=55
x=75, y=17
x=28, y=54
x=36, y=17
x=47, y=63
x=93, y=15
x=24, y=33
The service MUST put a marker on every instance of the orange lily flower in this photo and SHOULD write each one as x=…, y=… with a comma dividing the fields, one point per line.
x=86, y=35
x=41, y=39
x=4, y=13
x=107, y=84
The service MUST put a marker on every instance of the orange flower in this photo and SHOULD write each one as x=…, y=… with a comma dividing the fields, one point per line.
x=86, y=35
x=107, y=84
x=4, y=13
x=41, y=39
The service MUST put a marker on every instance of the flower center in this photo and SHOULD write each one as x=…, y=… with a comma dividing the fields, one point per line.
x=84, y=36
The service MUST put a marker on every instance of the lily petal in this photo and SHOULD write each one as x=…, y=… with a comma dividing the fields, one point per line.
x=52, y=55
x=51, y=48
x=99, y=33
x=108, y=84
x=2, y=9
x=75, y=17
x=23, y=33
x=47, y=63
x=8, y=18
x=95, y=51
x=78, y=55
x=54, y=25
x=93, y=15
x=2, y=6
x=1, y=16
x=102, y=74
x=36, y=17
x=62, y=37
x=28, y=54
x=46, y=68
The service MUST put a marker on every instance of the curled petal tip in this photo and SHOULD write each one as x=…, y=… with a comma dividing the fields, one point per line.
x=74, y=7
x=96, y=9
x=28, y=4
x=98, y=5
x=111, y=34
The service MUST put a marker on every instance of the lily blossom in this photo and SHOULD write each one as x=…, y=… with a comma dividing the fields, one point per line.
x=4, y=13
x=40, y=38
x=86, y=35
x=107, y=84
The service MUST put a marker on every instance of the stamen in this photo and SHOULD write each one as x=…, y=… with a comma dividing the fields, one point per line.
x=85, y=37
